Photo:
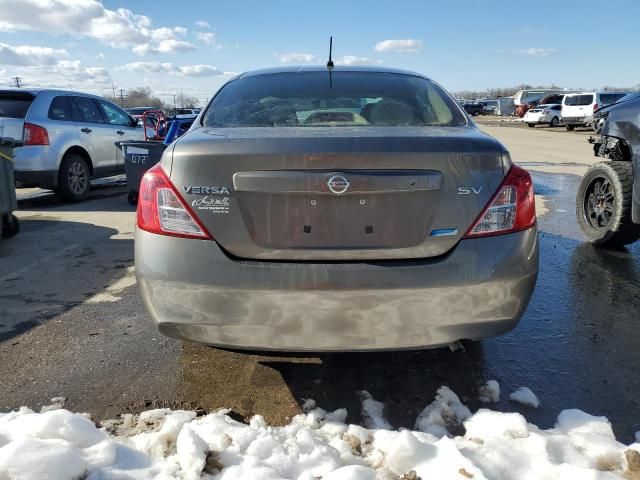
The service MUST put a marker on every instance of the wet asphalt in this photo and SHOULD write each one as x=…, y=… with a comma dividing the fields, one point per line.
x=576, y=347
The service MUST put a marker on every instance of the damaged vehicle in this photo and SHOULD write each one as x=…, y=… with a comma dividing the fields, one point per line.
x=335, y=209
x=608, y=198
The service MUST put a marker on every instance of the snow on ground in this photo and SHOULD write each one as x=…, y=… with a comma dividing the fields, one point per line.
x=525, y=396
x=489, y=392
x=165, y=444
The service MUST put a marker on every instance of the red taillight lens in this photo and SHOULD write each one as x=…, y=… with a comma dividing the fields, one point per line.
x=162, y=210
x=34, y=135
x=512, y=208
x=595, y=107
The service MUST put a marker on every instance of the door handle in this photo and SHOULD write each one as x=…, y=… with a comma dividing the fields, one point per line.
x=120, y=132
x=86, y=130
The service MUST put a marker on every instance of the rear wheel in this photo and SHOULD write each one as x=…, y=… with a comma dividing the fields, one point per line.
x=554, y=122
x=531, y=125
x=603, y=205
x=570, y=128
x=10, y=225
x=73, y=178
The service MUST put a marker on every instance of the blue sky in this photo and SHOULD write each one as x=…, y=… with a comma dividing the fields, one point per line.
x=463, y=44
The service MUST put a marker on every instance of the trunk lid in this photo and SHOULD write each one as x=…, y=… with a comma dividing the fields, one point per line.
x=344, y=193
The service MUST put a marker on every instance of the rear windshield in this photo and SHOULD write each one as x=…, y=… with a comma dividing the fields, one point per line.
x=14, y=104
x=608, y=98
x=579, y=100
x=350, y=99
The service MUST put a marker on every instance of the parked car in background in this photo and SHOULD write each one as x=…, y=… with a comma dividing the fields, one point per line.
x=187, y=112
x=544, y=114
x=600, y=115
x=137, y=112
x=68, y=138
x=275, y=224
x=489, y=107
x=578, y=108
x=473, y=108
x=533, y=96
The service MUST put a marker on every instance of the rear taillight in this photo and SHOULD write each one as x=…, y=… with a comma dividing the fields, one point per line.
x=595, y=107
x=34, y=135
x=162, y=210
x=511, y=209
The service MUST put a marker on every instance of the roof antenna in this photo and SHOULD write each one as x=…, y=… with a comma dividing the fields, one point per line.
x=330, y=62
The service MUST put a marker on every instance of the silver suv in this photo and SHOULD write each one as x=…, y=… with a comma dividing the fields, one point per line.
x=69, y=138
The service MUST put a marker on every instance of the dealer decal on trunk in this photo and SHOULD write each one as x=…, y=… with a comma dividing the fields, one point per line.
x=208, y=201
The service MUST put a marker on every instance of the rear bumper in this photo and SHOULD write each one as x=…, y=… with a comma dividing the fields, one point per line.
x=194, y=291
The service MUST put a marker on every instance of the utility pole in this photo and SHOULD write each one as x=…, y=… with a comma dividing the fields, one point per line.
x=113, y=88
x=122, y=98
x=174, y=101
x=17, y=81
x=181, y=100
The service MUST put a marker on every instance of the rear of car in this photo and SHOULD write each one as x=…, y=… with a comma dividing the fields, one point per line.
x=546, y=114
x=357, y=209
x=578, y=108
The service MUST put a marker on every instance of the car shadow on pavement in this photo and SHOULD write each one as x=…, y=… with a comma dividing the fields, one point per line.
x=52, y=266
x=49, y=200
x=405, y=381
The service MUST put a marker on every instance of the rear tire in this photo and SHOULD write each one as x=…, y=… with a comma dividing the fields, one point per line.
x=603, y=205
x=10, y=226
x=554, y=122
x=570, y=128
x=73, y=178
x=531, y=125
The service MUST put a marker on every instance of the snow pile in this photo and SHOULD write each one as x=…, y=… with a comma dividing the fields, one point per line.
x=166, y=444
x=526, y=397
x=489, y=392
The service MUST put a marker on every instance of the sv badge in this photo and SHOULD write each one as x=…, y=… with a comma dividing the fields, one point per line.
x=469, y=190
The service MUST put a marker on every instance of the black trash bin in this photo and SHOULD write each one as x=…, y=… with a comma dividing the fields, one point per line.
x=9, y=223
x=139, y=157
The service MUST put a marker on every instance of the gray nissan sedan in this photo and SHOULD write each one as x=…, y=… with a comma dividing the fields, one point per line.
x=315, y=209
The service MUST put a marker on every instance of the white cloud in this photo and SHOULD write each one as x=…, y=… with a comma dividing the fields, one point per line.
x=172, y=69
x=30, y=55
x=202, y=24
x=100, y=56
x=207, y=37
x=294, y=57
x=353, y=60
x=537, y=52
x=119, y=28
x=406, y=45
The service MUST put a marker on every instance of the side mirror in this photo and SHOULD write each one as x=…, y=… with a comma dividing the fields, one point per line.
x=133, y=122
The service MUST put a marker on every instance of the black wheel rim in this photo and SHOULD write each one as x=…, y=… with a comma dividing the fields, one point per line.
x=77, y=177
x=599, y=203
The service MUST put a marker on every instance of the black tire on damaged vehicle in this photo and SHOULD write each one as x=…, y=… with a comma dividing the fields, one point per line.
x=603, y=205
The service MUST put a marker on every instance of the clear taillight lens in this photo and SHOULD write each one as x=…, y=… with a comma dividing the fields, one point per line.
x=161, y=210
x=511, y=209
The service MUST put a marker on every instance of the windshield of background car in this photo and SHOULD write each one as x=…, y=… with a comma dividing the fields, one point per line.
x=608, y=98
x=350, y=99
x=579, y=100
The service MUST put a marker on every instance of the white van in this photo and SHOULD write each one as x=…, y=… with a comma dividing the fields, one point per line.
x=578, y=108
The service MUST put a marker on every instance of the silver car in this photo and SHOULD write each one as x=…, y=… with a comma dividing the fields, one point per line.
x=69, y=138
x=331, y=210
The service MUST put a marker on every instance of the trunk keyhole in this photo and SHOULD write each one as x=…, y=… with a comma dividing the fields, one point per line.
x=368, y=229
x=307, y=229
